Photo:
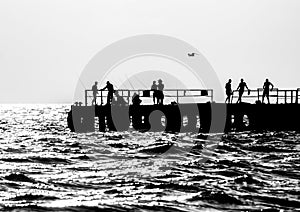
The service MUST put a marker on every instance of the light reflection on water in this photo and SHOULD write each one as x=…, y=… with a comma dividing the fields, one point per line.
x=45, y=165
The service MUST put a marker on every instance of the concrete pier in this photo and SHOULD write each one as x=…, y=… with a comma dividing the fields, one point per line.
x=201, y=117
x=178, y=116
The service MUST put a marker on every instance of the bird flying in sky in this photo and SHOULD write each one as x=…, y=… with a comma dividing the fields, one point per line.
x=192, y=54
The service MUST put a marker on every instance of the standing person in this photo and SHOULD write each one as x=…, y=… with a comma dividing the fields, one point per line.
x=95, y=92
x=154, y=89
x=228, y=91
x=241, y=89
x=266, y=89
x=160, y=94
x=111, y=90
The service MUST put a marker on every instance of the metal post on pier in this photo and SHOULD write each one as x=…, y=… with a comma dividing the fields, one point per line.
x=101, y=97
x=285, y=96
x=277, y=96
x=85, y=92
x=212, y=95
x=292, y=96
x=177, y=98
x=297, y=95
x=128, y=97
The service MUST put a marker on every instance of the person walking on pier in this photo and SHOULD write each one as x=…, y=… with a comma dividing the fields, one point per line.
x=95, y=92
x=154, y=89
x=241, y=89
x=228, y=91
x=266, y=89
x=111, y=91
x=160, y=94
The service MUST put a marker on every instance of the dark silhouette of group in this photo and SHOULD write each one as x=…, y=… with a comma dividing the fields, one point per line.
x=241, y=88
x=157, y=89
x=158, y=94
x=110, y=89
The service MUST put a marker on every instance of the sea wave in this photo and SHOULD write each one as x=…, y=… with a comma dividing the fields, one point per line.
x=45, y=167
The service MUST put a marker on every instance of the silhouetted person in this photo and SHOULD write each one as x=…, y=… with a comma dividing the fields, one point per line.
x=228, y=91
x=154, y=89
x=160, y=94
x=120, y=101
x=95, y=92
x=241, y=89
x=266, y=88
x=136, y=99
x=110, y=89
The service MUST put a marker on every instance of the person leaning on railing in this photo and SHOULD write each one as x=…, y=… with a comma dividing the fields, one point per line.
x=111, y=91
x=266, y=88
x=241, y=89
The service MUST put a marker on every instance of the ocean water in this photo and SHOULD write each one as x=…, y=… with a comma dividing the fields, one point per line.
x=45, y=167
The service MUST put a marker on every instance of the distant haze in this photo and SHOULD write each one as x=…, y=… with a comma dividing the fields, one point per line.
x=44, y=45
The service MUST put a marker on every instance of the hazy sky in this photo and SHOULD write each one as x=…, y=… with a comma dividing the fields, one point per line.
x=44, y=45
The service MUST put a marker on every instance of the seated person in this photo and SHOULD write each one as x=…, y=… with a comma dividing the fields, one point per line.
x=119, y=101
x=136, y=99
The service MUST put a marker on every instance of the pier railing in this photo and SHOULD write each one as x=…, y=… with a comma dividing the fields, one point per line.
x=170, y=95
x=276, y=96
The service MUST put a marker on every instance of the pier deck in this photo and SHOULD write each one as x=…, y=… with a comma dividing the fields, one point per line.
x=282, y=114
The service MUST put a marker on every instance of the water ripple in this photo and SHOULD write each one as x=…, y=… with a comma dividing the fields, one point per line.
x=45, y=167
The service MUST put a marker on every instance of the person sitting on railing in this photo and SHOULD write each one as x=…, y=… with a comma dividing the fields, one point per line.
x=95, y=92
x=228, y=91
x=266, y=89
x=241, y=89
x=120, y=101
x=160, y=94
x=136, y=99
x=154, y=89
x=111, y=91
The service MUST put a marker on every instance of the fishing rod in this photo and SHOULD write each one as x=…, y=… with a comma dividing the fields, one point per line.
x=82, y=83
x=127, y=78
x=140, y=82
